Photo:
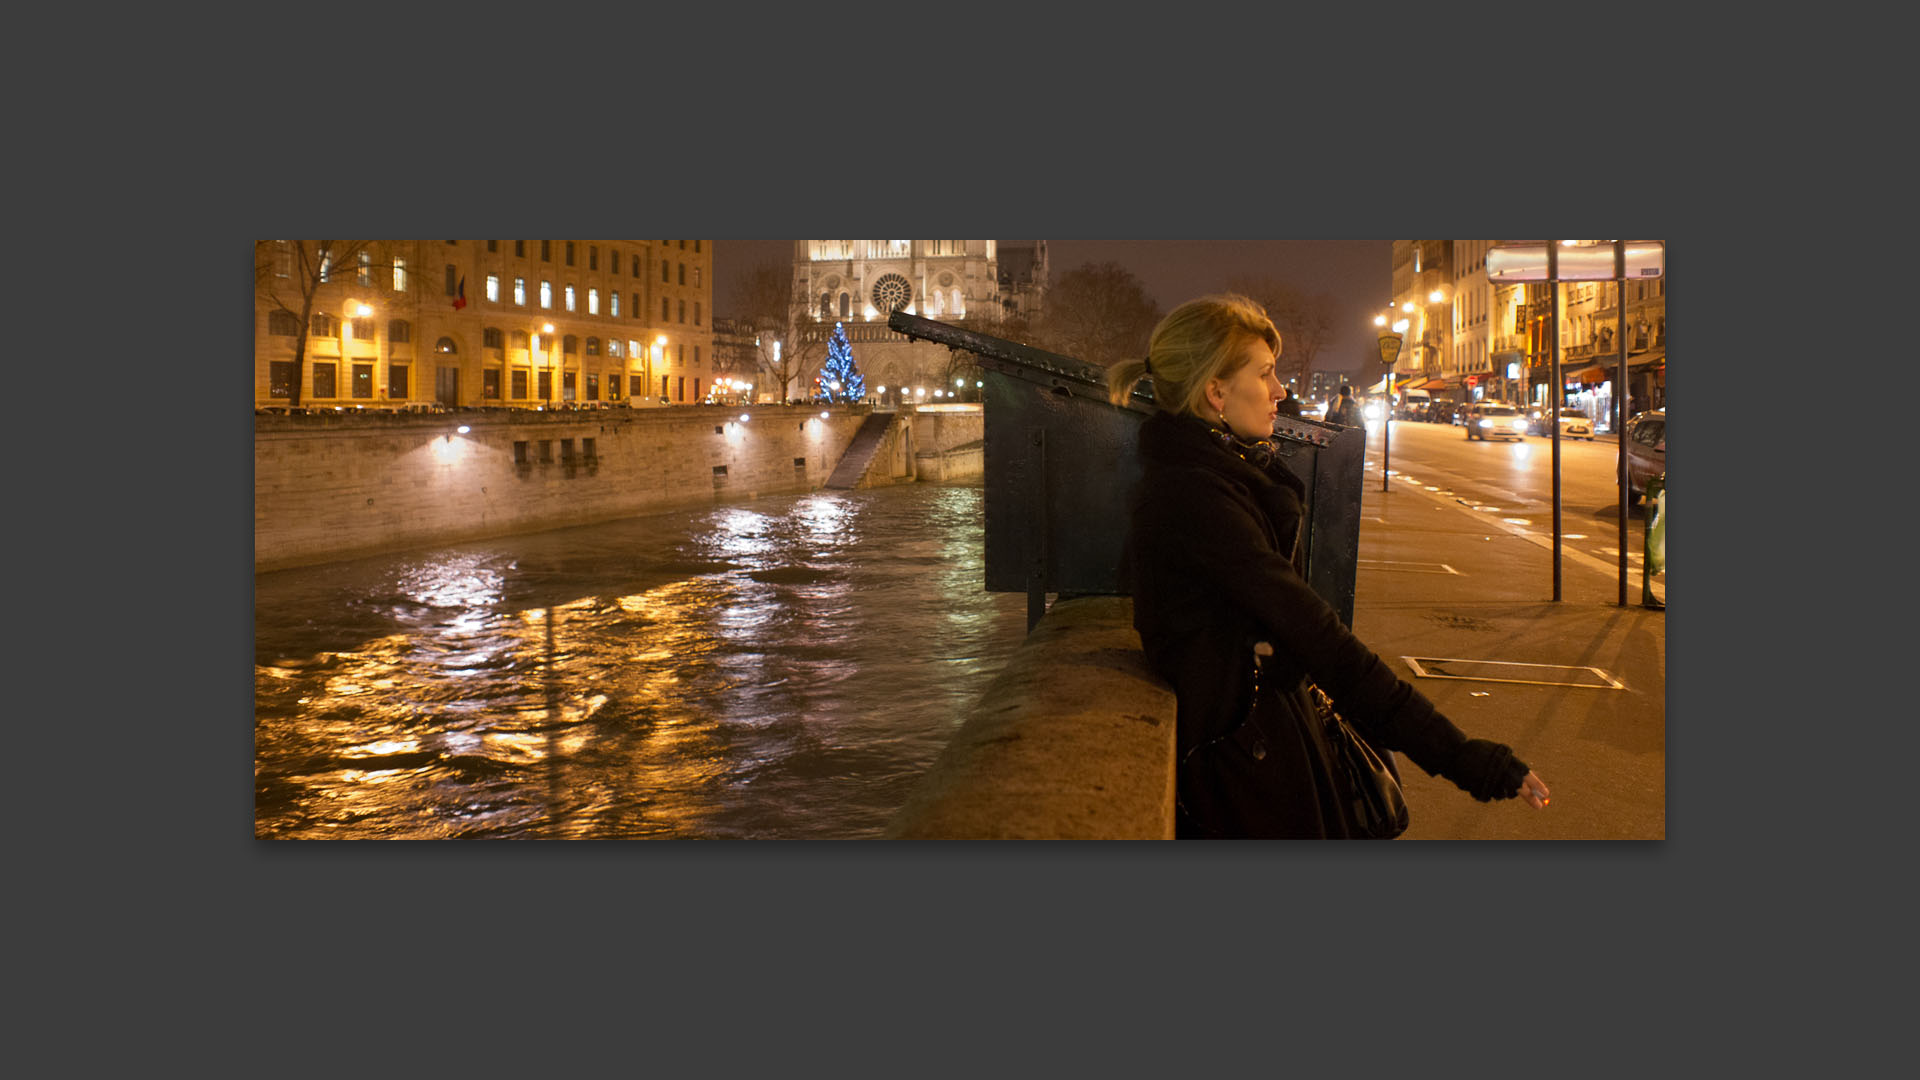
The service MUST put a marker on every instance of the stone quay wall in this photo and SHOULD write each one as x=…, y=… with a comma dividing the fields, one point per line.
x=1073, y=740
x=345, y=485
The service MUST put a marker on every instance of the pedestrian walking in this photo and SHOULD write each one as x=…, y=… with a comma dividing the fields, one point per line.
x=1288, y=405
x=1255, y=657
x=1344, y=411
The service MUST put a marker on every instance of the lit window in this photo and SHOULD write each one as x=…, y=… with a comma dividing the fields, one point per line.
x=520, y=291
x=493, y=288
x=613, y=304
x=399, y=275
x=593, y=301
x=366, y=268
x=570, y=298
x=546, y=294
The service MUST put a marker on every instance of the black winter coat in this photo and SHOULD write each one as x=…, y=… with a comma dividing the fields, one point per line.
x=1210, y=555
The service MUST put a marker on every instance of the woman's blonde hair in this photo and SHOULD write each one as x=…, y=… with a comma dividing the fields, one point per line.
x=1200, y=340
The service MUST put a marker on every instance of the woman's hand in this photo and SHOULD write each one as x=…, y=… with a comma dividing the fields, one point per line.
x=1534, y=791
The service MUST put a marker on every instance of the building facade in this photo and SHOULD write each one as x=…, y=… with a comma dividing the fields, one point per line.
x=860, y=283
x=1423, y=295
x=1487, y=341
x=534, y=324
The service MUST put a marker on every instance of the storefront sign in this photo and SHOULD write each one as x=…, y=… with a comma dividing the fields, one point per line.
x=1584, y=262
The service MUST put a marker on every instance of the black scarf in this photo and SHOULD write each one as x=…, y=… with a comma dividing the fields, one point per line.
x=1256, y=466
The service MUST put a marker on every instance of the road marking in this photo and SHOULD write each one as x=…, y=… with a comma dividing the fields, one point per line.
x=1609, y=568
x=1408, y=567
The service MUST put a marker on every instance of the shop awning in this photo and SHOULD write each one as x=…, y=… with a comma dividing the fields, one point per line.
x=1592, y=374
x=1379, y=387
x=1431, y=385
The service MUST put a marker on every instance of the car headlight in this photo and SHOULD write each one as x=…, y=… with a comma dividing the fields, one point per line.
x=1486, y=423
x=1519, y=425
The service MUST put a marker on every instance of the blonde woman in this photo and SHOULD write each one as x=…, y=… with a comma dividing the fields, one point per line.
x=1211, y=554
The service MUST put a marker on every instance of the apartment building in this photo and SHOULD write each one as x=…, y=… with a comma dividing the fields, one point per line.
x=481, y=323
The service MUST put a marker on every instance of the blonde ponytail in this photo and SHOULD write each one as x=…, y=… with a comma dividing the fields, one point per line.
x=1121, y=377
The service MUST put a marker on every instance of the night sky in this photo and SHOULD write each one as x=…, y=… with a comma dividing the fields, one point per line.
x=1357, y=273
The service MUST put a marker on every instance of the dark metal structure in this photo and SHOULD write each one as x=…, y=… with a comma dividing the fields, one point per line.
x=1061, y=469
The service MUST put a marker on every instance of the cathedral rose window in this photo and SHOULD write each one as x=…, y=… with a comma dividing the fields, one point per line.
x=891, y=293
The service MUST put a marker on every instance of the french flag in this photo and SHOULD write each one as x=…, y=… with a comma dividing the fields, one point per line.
x=460, y=300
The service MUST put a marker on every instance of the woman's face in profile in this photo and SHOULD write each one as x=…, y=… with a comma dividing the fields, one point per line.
x=1245, y=400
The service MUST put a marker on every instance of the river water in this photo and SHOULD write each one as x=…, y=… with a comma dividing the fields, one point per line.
x=785, y=667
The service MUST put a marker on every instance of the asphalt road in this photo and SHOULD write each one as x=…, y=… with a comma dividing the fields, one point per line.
x=1511, y=483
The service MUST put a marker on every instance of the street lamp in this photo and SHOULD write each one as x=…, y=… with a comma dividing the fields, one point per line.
x=552, y=375
x=356, y=310
x=659, y=360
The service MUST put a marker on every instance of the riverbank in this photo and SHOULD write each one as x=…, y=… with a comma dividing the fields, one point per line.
x=346, y=485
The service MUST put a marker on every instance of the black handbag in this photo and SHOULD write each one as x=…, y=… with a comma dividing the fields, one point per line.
x=1375, y=807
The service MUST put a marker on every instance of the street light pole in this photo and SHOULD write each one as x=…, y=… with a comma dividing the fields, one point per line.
x=1555, y=395
x=1389, y=352
x=553, y=375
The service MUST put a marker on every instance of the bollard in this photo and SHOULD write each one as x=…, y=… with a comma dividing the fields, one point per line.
x=1656, y=540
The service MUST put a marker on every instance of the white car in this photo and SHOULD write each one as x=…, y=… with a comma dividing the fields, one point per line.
x=1494, y=420
x=1575, y=425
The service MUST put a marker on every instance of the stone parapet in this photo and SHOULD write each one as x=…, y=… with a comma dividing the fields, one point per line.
x=1074, y=740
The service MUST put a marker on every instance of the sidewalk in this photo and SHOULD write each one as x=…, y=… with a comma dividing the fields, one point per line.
x=1441, y=580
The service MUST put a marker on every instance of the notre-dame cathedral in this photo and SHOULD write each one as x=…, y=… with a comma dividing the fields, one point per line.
x=859, y=283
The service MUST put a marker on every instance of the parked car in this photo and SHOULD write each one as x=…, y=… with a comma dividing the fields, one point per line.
x=1573, y=423
x=1646, y=443
x=1495, y=420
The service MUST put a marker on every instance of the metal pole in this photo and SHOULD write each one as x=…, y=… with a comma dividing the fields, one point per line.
x=1553, y=395
x=1620, y=332
x=1386, y=435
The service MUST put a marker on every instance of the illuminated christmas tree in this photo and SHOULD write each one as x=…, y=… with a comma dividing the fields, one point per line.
x=840, y=371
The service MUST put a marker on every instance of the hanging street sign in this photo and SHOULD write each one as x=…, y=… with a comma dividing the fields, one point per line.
x=1389, y=348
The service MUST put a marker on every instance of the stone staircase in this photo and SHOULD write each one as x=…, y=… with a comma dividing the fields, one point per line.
x=859, y=455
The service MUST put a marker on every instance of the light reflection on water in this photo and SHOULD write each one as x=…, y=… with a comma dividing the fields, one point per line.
x=785, y=667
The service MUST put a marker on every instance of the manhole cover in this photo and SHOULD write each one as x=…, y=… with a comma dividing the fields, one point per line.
x=1428, y=667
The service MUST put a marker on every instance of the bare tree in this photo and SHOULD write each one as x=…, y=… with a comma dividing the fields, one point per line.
x=769, y=302
x=1096, y=313
x=289, y=275
x=1305, y=321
